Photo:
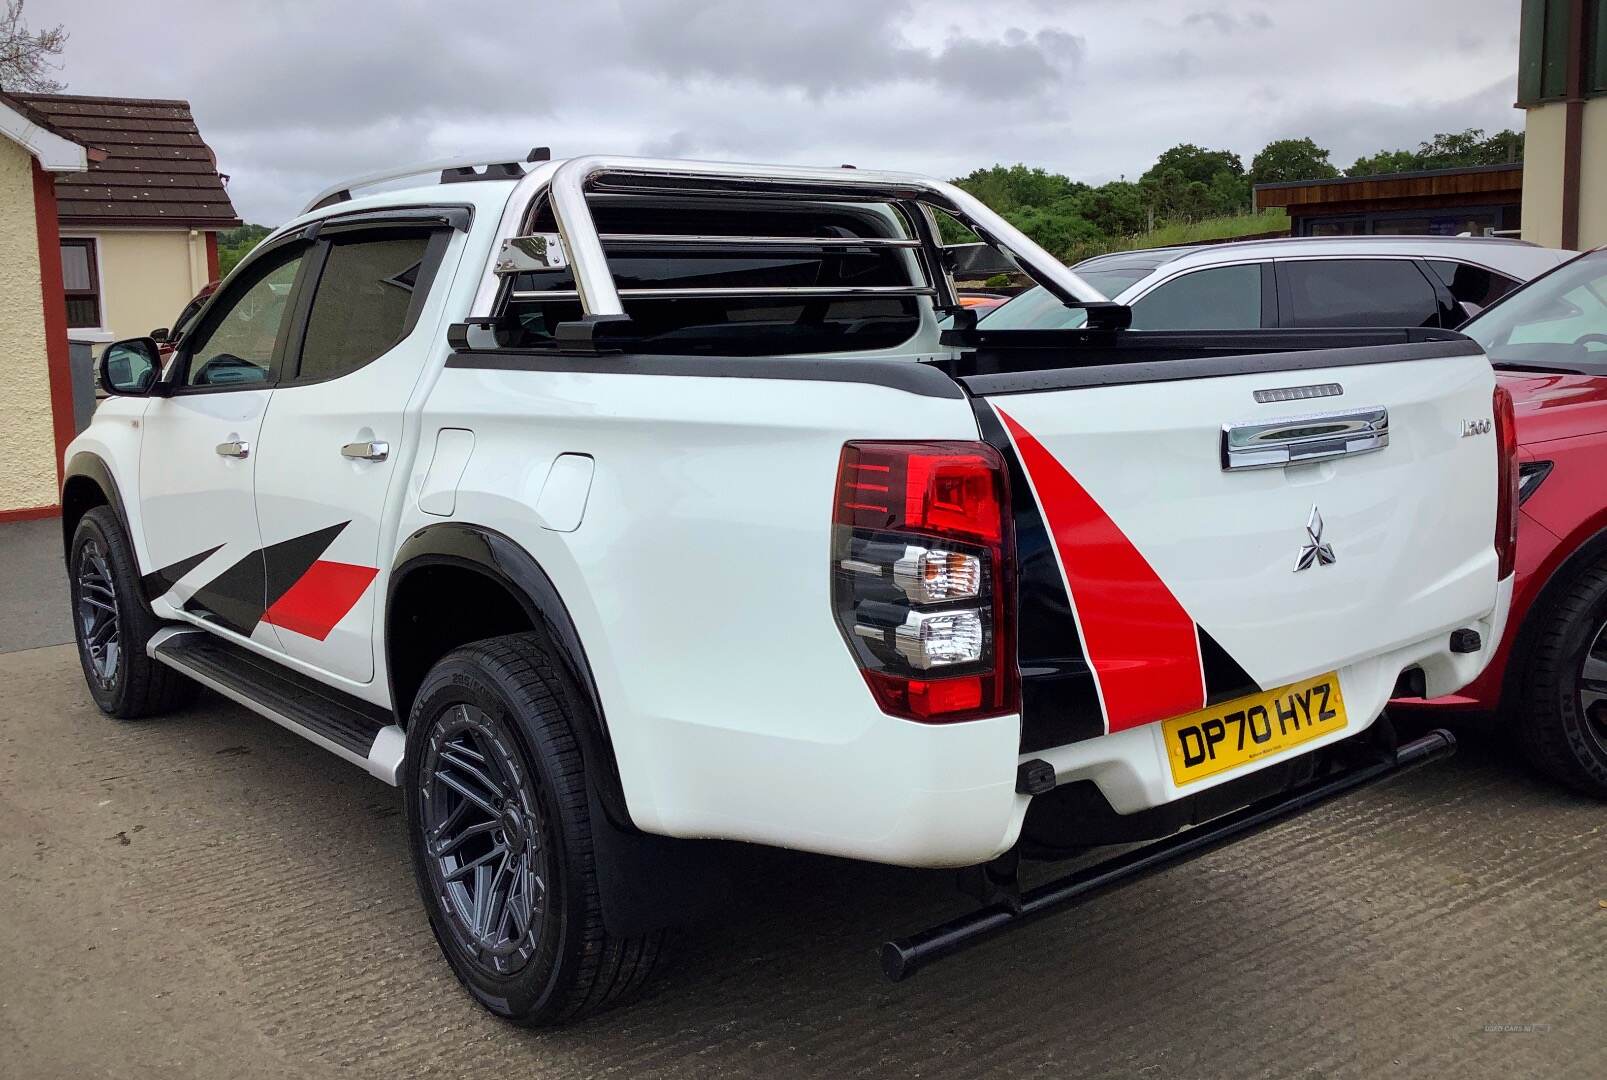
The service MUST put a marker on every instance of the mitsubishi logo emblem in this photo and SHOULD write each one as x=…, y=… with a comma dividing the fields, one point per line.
x=1315, y=552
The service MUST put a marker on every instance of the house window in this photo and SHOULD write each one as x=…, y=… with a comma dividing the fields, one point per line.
x=80, y=278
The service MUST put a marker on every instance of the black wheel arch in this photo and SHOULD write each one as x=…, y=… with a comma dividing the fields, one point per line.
x=86, y=483
x=1590, y=552
x=506, y=565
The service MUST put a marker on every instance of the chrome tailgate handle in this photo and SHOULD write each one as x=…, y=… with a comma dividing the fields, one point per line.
x=1293, y=440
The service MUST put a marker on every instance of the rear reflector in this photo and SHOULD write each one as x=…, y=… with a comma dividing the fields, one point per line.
x=920, y=577
x=1507, y=495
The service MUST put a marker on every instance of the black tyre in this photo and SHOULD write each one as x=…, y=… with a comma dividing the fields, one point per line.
x=500, y=832
x=1562, y=719
x=113, y=623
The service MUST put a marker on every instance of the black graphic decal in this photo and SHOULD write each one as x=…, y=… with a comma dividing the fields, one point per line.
x=160, y=580
x=238, y=597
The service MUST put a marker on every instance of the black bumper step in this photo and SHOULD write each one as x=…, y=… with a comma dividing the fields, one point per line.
x=903, y=957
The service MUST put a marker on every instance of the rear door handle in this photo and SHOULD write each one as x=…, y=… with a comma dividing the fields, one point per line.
x=235, y=448
x=372, y=450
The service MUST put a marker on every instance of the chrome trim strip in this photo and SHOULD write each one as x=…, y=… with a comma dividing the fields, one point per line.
x=1295, y=440
x=384, y=760
x=738, y=290
x=670, y=240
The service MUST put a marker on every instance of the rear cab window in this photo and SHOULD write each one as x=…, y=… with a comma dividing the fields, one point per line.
x=366, y=301
x=695, y=244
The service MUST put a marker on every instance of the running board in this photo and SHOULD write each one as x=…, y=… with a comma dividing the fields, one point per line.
x=348, y=727
x=903, y=957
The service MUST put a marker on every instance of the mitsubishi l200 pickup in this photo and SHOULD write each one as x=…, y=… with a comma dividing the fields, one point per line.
x=612, y=505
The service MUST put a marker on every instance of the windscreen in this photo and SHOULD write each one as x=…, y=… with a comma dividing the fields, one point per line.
x=1559, y=322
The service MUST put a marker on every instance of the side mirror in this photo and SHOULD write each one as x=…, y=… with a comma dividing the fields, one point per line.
x=130, y=368
x=160, y=335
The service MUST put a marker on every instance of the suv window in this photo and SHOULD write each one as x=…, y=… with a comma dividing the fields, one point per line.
x=1472, y=284
x=361, y=309
x=236, y=346
x=1356, y=292
x=1219, y=298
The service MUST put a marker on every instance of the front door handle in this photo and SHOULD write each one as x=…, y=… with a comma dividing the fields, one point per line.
x=235, y=448
x=372, y=450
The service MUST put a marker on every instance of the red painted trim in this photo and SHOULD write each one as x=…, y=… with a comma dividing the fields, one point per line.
x=211, y=256
x=53, y=297
x=1142, y=645
x=31, y=513
x=320, y=598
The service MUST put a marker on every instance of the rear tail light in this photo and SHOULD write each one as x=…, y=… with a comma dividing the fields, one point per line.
x=920, y=577
x=1506, y=505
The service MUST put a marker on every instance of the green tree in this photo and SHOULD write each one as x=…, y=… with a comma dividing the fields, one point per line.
x=1191, y=182
x=1008, y=187
x=1285, y=161
x=1116, y=209
x=1446, y=150
x=236, y=244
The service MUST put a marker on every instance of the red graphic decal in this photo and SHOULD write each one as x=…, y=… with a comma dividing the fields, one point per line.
x=1139, y=640
x=320, y=598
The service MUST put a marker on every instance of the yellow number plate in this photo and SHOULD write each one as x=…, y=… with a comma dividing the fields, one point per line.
x=1250, y=728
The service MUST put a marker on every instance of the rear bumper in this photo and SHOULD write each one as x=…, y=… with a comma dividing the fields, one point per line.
x=1131, y=768
x=944, y=795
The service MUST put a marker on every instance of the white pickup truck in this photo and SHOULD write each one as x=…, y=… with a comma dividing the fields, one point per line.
x=611, y=504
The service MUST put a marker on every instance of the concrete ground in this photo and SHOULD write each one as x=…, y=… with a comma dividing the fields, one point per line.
x=207, y=895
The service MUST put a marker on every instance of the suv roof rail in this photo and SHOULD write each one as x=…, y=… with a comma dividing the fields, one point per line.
x=451, y=170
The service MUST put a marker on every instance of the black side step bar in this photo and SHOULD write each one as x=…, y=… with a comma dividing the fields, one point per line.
x=361, y=732
x=905, y=956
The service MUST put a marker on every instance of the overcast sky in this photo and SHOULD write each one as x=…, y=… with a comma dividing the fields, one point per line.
x=295, y=95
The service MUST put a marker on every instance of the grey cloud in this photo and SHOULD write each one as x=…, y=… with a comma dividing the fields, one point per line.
x=839, y=47
x=1224, y=22
x=296, y=94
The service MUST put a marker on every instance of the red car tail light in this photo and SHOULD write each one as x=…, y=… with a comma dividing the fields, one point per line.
x=921, y=583
x=1506, y=505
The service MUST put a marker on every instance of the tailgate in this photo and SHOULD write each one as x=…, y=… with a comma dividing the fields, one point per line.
x=1169, y=559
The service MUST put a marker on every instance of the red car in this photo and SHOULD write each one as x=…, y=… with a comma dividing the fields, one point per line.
x=167, y=338
x=1548, y=342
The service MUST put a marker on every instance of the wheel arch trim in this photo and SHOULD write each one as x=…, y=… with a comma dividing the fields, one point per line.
x=501, y=559
x=88, y=465
x=1585, y=547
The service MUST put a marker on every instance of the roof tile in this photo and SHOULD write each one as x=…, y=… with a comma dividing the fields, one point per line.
x=157, y=169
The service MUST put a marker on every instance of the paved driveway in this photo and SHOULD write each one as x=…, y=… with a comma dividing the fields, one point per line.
x=207, y=895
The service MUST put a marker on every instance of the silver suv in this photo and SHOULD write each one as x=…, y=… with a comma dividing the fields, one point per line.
x=1439, y=281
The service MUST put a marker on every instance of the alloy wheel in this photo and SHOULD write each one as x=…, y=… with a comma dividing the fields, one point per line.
x=482, y=836
x=99, y=625
x=1592, y=688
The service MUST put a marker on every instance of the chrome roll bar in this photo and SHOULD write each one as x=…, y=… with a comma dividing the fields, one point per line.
x=567, y=183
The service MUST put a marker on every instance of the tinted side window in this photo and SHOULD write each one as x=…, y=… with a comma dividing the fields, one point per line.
x=236, y=345
x=1472, y=284
x=1221, y=298
x=1357, y=292
x=361, y=307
